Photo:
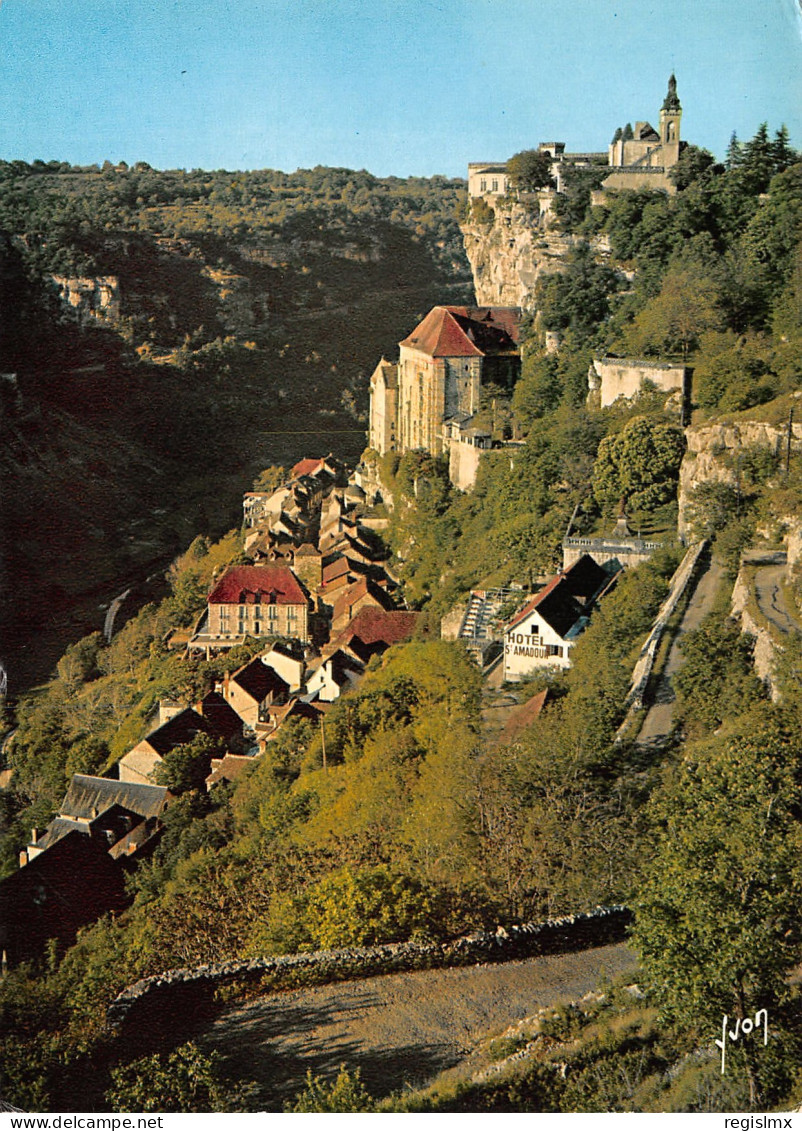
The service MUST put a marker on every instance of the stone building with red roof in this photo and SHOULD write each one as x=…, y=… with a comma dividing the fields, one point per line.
x=442, y=366
x=263, y=600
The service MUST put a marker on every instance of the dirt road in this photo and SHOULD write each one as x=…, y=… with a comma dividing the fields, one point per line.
x=401, y=1028
x=660, y=716
x=769, y=580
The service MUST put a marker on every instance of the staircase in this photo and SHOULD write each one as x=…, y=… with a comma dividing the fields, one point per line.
x=480, y=629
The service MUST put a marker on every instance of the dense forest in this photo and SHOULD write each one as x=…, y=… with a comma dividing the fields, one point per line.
x=413, y=825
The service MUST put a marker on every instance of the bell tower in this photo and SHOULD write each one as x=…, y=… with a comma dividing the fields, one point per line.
x=670, y=115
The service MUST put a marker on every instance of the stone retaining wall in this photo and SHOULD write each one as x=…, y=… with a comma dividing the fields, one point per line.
x=685, y=574
x=153, y=1004
x=641, y=673
x=744, y=609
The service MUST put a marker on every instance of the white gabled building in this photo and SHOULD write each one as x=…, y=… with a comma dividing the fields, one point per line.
x=543, y=632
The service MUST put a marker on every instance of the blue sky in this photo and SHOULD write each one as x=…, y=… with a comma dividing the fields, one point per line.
x=394, y=86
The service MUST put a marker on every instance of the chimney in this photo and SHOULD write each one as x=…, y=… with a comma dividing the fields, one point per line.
x=23, y=858
x=34, y=836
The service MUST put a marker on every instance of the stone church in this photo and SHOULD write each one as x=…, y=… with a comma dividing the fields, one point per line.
x=641, y=158
x=442, y=366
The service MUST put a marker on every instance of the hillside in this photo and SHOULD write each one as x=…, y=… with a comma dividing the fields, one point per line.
x=399, y=815
x=252, y=310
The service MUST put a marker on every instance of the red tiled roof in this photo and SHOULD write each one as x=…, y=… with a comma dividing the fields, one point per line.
x=362, y=588
x=340, y=567
x=307, y=467
x=380, y=626
x=463, y=331
x=524, y=716
x=242, y=584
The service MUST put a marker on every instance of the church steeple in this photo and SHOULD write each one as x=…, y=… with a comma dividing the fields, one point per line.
x=670, y=115
x=671, y=101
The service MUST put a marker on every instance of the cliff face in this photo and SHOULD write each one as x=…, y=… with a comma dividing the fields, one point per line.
x=712, y=455
x=510, y=253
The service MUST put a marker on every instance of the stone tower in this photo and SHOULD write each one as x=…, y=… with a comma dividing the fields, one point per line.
x=670, y=115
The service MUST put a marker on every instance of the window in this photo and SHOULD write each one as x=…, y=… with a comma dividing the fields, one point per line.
x=494, y=185
x=272, y=612
x=483, y=185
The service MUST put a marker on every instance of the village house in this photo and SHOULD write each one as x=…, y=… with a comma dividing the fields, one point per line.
x=334, y=675
x=296, y=708
x=373, y=630
x=121, y=816
x=74, y=872
x=252, y=689
x=212, y=716
x=287, y=661
x=544, y=631
x=263, y=600
x=347, y=601
x=139, y=764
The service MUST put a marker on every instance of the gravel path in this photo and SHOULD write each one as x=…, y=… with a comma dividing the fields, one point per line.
x=770, y=597
x=660, y=716
x=398, y=1029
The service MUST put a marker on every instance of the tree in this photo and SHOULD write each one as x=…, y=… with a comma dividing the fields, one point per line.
x=186, y=1080
x=530, y=170
x=716, y=681
x=346, y=1094
x=674, y=320
x=718, y=914
x=187, y=766
x=640, y=463
x=270, y=479
x=692, y=164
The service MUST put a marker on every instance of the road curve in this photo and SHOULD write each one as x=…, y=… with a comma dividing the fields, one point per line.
x=398, y=1029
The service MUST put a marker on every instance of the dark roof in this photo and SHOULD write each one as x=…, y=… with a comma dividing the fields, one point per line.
x=223, y=720
x=243, y=584
x=259, y=680
x=585, y=578
x=72, y=884
x=340, y=567
x=567, y=597
x=342, y=667
x=87, y=797
x=465, y=331
x=229, y=768
x=177, y=731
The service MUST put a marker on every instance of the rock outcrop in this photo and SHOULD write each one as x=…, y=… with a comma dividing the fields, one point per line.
x=510, y=252
x=712, y=456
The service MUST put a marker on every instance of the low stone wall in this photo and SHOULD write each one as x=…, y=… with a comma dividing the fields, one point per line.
x=744, y=609
x=161, y=1001
x=641, y=673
